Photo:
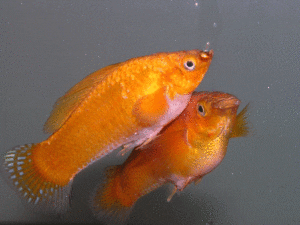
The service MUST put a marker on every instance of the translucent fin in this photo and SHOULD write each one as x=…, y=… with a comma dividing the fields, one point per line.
x=35, y=192
x=241, y=126
x=172, y=194
x=136, y=145
x=107, y=203
x=197, y=181
x=126, y=149
x=66, y=104
x=151, y=138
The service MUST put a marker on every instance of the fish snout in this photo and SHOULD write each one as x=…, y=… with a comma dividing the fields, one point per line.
x=229, y=102
x=233, y=102
x=206, y=55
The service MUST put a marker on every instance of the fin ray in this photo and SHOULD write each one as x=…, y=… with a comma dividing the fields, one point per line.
x=35, y=192
x=241, y=126
x=66, y=104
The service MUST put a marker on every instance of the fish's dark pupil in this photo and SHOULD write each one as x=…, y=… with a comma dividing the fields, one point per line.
x=189, y=63
x=200, y=108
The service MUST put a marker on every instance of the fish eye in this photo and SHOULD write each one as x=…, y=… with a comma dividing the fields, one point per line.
x=189, y=65
x=201, y=110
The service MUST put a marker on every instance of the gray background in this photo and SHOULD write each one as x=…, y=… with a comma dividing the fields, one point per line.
x=48, y=46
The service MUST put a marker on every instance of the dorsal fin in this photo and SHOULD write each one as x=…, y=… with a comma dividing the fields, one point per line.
x=66, y=104
x=241, y=126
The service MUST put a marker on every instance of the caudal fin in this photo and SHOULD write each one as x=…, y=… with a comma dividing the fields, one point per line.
x=34, y=190
x=109, y=203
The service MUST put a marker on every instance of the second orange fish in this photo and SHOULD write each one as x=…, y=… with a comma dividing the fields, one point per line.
x=187, y=149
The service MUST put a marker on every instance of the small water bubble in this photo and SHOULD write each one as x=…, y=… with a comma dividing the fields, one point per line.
x=207, y=46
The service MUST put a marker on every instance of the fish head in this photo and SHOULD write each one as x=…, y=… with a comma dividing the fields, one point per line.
x=210, y=115
x=188, y=70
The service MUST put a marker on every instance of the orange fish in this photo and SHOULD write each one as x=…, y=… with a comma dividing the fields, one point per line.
x=123, y=104
x=191, y=146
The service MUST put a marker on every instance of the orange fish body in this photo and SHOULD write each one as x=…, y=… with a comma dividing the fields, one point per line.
x=184, y=151
x=122, y=104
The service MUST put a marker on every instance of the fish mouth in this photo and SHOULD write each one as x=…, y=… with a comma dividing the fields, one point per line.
x=207, y=55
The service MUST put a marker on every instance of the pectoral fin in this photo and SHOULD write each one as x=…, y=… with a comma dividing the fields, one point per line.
x=241, y=126
x=149, y=109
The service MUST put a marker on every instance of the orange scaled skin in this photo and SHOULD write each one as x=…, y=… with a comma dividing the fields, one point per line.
x=125, y=103
x=184, y=151
x=107, y=117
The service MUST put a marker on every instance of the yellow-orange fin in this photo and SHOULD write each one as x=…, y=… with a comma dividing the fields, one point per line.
x=33, y=189
x=66, y=104
x=106, y=202
x=241, y=126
